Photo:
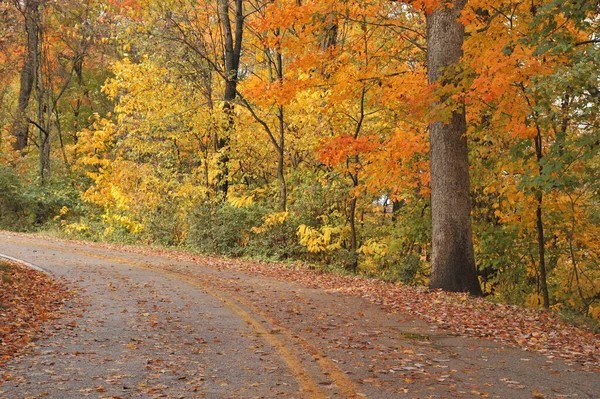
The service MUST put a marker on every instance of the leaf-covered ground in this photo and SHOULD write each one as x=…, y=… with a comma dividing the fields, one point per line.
x=29, y=301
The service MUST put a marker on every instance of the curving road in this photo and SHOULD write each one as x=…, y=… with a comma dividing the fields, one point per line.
x=147, y=326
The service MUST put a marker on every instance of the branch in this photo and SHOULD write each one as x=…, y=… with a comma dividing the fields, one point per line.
x=38, y=126
x=593, y=41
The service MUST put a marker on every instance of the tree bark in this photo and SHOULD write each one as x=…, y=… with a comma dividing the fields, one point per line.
x=232, y=52
x=28, y=74
x=44, y=114
x=353, y=264
x=281, y=162
x=453, y=262
x=540, y=226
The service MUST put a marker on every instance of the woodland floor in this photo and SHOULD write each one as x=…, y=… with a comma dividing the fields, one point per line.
x=275, y=329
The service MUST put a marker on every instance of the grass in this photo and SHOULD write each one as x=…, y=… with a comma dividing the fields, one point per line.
x=573, y=317
x=4, y=278
x=4, y=268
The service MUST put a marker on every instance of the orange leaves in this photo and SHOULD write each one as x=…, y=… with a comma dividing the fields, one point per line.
x=336, y=151
x=265, y=93
x=283, y=14
x=27, y=299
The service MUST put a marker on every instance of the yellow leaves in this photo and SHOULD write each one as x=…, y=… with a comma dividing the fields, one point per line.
x=243, y=201
x=374, y=251
x=270, y=221
x=72, y=228
x=594, y=311
x=319, y=240
x=115, y=220
x=147, y=159
x=373, y=248
x=534, y=301
x=120, y=201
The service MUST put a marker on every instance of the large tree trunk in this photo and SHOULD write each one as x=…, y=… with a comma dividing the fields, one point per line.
x=453, y=262
x=28, y=73
x=233, y=45
x=232, y=52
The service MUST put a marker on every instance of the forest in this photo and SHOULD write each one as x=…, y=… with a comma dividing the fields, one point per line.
x=453, y=144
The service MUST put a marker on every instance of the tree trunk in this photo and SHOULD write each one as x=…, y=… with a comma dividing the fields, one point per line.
x=354, y=176
x=28, y=73
x=232, y=53
x=353, y=265
x=233, y=46
x=453, y=262
x=281, y=163
x=540, y=226
x=542, y=252
x=44, y=116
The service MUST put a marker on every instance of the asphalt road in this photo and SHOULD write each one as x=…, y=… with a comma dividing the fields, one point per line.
x=146, y=326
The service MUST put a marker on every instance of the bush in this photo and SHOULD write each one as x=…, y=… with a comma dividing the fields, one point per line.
x=231, y=231
x=27, y=206
x=14, y=204
x=224, y=229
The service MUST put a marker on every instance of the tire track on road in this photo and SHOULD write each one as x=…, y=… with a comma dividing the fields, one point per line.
x=309, y=385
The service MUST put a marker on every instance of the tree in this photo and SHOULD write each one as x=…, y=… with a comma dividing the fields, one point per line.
x=232, y=45
x=453, y=260
x=31, y=14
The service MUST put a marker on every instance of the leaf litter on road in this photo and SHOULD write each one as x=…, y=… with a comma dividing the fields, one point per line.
x=536, y=330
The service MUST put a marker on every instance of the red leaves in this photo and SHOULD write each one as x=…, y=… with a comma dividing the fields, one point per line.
x=27, y=299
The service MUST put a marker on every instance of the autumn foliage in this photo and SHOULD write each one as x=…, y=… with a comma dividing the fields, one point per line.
x=323, y=155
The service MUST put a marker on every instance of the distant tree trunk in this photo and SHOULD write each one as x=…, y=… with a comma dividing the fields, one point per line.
x=281, y=149
x=540, y=226
x=28, y=74
x=353, y=264
x=330, y=36
x=354, y=176
x=281, y=163
x=44, y=113
x=453, y=262
x=78, y=70
x=232, y=52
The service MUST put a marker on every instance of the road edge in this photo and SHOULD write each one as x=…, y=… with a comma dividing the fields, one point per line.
x=25, y=263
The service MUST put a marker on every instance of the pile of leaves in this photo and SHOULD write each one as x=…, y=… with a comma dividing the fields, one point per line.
x=29, y=299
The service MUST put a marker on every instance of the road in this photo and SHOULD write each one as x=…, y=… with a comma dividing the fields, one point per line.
x=149, y=326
